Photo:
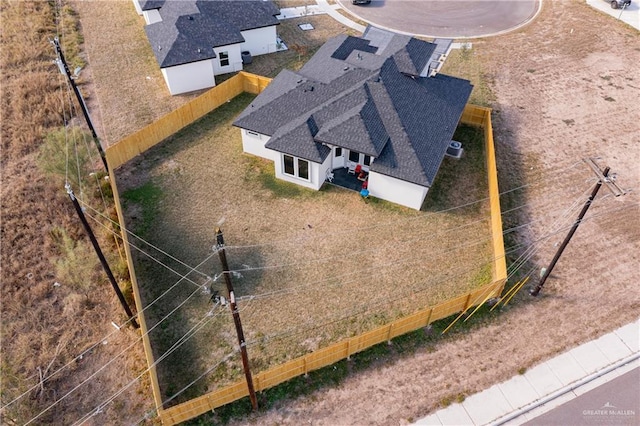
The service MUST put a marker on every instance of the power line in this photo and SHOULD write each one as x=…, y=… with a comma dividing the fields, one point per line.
x=94, y=219
x=108, y=335
x=183, y=339
x=182, y=276
x=416, y=216
x=324, y=259
x=92, y=376
x=439, y=253
x=166, y=401
x=297, y=239
x=143, y=240
x=368, y=307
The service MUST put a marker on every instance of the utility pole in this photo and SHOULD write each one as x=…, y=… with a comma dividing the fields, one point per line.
x=62, y=64
x=603, y=179
x=236, y=316
x=103, y=261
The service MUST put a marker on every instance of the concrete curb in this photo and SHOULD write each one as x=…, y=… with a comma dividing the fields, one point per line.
x=548, y=384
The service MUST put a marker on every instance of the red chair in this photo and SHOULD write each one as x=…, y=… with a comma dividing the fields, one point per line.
x=358, y=169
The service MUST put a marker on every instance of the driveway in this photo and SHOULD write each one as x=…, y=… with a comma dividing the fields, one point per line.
x=452, y=19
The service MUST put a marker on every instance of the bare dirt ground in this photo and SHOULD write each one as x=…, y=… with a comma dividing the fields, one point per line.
x=565, y=87
x=45, y=327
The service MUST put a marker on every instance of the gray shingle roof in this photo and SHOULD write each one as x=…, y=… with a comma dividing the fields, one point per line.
x=351, y=44
x=429, y=111
x=189, y=29
x=151, y=4
x=414, y=57
x=404, y=121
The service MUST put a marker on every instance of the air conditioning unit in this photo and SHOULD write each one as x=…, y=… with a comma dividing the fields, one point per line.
x=454, y=149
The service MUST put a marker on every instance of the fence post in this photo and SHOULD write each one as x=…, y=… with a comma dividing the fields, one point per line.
x=466, y=304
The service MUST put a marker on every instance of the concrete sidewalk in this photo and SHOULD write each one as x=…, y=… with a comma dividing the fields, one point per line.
x=549, y=384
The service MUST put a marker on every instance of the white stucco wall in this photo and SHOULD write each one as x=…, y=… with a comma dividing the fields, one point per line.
x=324, y=169
x=396, y=190
x=253, y=143
x=235, y=59
x=260, y=41
x=337, y=162
x=189, y=77
x=152, y=16
x=315, y=171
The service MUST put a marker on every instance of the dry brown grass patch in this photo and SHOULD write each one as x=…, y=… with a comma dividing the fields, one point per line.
x=313, y=266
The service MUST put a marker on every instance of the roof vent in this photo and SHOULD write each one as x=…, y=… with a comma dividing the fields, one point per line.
x=190, y=18
x=454, y=149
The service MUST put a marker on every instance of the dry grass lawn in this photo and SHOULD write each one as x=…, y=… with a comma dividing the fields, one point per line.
x=561, y=89
x=130, y=93
x=312, y=267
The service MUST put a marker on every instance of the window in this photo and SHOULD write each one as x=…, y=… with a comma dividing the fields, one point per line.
x=303, y=169
x=224, y=59
x=354, y=156
x=338, y=152
x=367, y=160
x=296, y=167
x=288, y=165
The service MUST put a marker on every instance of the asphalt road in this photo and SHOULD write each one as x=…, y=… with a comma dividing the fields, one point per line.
x=451, y=18
x=616, y=402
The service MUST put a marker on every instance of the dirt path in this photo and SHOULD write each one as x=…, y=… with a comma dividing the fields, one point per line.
x=564, y=91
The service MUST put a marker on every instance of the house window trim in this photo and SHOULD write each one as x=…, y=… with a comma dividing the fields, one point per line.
x=362, y=159
x=296, y=168
x=225, y=59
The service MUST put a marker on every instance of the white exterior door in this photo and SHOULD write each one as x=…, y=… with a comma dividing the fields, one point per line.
x=337, y=154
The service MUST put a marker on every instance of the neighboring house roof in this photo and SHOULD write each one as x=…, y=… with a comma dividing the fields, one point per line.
x=190, y=29
x=364, y=95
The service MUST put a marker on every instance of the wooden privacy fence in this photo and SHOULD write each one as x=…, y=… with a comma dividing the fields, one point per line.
x=176, y=120
x=328, y=355
x=140, y=141
x=478, y=116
